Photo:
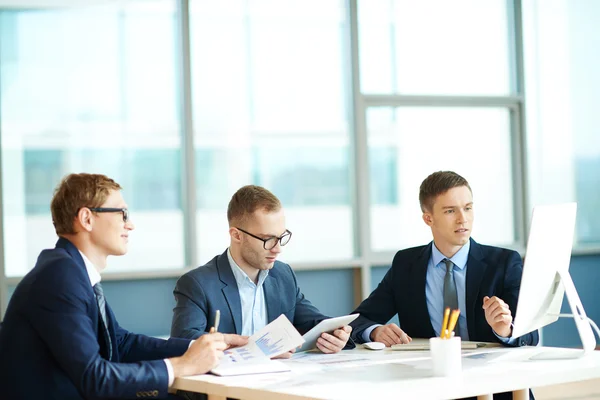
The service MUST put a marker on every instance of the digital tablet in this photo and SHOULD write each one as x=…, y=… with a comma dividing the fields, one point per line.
x=327, y=325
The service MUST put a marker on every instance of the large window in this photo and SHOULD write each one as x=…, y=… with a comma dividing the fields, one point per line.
x=432, y=47
x=420, y=140
x=563, y=92
x=92, y=90
x=278, y=95
x=438, y=81
x=270, y=109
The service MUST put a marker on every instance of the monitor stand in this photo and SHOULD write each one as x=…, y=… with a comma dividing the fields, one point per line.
x=581, y=322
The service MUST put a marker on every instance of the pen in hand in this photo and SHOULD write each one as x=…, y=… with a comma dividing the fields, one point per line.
x=215, y=327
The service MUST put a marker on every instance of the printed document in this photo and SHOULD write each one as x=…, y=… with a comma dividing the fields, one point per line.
x=277, y=338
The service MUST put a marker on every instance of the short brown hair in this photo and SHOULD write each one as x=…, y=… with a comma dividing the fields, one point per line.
x=247, y=200
x=74, y=192
x=436, y=184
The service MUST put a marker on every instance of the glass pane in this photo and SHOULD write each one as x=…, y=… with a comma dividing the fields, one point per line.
x=429, y=47
x=270, y=109
x=91, y=90
x=407, y=144
x=563, y=96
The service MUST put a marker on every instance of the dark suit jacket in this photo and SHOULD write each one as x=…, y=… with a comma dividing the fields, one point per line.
x=52, y=342
x=491, y=271
x=211, y=287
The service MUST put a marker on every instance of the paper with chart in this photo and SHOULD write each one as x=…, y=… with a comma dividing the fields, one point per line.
x=278, y=337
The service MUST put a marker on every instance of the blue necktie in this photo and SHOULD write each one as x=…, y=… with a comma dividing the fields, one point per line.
x=102, y=307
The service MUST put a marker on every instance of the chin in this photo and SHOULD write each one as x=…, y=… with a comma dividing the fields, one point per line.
x=267, y=266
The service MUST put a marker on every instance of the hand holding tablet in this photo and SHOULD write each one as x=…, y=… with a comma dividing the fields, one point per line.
x=326, y=326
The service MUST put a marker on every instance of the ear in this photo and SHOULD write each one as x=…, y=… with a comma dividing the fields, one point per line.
x=84, y=220
x=236, y=235
x=428, y=218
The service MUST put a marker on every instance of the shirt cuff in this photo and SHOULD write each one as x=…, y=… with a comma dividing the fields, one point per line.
x=170, y=371
x=510, y=341
x=170, y=367
x=366, y=335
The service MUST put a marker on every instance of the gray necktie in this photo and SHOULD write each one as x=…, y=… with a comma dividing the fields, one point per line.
x=102, y=307
x=450, y=294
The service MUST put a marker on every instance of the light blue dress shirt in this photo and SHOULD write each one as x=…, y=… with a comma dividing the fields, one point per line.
x=252, y=297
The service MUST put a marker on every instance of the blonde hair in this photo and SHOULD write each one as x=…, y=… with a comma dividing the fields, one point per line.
x=247, y=200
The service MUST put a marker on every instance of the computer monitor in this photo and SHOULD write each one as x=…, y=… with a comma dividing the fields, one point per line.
x=546, y=276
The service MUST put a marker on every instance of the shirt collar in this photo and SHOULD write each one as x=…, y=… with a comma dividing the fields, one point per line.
x=459, y=259
x=93, y=273
x=239, y=274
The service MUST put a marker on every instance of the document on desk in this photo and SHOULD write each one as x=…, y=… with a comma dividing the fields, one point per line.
x=423, y=344
x=277, y=338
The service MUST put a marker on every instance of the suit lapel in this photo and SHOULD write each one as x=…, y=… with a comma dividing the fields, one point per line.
x=476, y=268
x=230, y=291
x=419, y=271
x=76, y=256
x=271, y=289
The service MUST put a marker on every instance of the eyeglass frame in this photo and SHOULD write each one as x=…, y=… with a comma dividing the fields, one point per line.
x=125, y=211
x=285, y=234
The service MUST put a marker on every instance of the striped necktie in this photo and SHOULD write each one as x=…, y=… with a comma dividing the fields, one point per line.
x=102, y=307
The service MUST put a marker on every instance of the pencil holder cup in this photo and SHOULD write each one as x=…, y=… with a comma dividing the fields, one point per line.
x=445, y=356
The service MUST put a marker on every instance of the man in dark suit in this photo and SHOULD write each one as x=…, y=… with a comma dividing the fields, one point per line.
x=246, y=283
x=452, y=271
x=61, y=340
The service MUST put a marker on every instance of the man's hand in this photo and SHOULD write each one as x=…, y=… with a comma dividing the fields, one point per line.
x=233, y=340
x=201, y=356
x=498, y=316
x=287, y=354
x=390, y=334
x=329, y=343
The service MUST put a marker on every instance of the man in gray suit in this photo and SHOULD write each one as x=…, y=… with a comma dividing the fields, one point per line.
x=247, y=283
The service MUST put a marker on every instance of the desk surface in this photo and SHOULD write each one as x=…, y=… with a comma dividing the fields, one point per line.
x=360, y=374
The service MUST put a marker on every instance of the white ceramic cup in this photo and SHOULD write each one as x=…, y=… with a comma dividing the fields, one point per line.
x=445, y=356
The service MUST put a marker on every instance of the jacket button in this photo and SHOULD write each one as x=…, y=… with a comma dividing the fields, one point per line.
x=155, y=393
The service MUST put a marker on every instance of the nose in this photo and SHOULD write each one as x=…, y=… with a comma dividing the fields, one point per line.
x=129, y=225
x=461, y=217
x=277, y=248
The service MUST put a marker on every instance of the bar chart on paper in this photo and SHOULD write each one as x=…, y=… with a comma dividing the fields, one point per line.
x=268, y=345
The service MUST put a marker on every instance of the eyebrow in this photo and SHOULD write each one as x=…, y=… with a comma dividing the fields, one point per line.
x=450, y=207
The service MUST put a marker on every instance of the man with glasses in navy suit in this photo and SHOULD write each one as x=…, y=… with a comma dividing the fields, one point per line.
x=246, y=283
x=60, y=338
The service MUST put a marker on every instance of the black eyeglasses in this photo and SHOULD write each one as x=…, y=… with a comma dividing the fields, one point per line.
x=270, y=243
x=109, y=210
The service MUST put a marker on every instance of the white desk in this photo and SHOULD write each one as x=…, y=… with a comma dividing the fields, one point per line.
x=365, y=374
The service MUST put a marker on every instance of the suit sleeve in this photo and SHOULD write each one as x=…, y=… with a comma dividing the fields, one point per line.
x=512, y=284
x=378, y=308
x=190, y=312
x=134, y=347
x=61, y=314
x=306, y=315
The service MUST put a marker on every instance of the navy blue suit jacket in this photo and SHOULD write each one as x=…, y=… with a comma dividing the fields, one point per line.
x=52, y=341
x=202, y=291
x=491, y=271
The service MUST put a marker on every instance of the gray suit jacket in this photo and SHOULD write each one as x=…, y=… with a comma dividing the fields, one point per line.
x=211, y=287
